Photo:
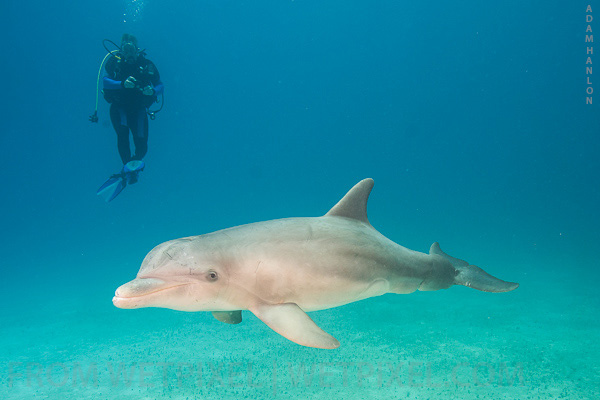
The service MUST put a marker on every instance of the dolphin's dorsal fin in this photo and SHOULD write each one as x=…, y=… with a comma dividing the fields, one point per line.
x=354, y=203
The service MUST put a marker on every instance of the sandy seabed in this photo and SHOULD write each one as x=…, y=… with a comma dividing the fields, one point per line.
x=538, y=342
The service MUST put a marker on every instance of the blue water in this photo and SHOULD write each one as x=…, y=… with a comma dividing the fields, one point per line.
x=470, y=116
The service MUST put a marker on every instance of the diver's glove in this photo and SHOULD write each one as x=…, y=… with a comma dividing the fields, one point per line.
x=148, y=91
x=129, y=83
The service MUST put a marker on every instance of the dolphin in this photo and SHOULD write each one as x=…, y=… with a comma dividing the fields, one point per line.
x=281, y=269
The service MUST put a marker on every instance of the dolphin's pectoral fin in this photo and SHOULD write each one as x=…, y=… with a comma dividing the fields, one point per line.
x=294, y=324
x=229, y=317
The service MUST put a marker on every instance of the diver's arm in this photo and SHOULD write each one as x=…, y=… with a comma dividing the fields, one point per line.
x=159, y=88
x=112, y=84
x=157, y=84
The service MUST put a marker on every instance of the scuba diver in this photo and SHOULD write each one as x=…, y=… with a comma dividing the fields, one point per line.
x=131, y=85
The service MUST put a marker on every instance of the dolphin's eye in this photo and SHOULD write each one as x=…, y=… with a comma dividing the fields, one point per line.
x=212, y=276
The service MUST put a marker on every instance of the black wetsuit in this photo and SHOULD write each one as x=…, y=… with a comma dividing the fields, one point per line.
x=128, y=106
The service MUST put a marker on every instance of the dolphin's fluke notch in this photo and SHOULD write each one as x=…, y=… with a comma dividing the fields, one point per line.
x=472, y=276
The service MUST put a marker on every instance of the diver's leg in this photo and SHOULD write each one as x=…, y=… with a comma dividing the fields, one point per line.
x=139, y=130
x=119, y=122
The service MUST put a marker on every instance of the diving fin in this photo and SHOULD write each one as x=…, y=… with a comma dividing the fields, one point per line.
x=112, y=187
x=116, y=183
x=132, y=170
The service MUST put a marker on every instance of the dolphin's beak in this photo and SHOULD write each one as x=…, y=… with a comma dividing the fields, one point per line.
x=131, y=294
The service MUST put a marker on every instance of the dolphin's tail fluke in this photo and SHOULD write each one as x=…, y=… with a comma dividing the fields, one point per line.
x=472, y=276
x=477, y=278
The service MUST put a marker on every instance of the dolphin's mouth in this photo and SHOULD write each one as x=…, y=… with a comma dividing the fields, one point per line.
x=127, y=295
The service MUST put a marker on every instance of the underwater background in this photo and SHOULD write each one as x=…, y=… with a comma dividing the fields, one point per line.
x=469, y=115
